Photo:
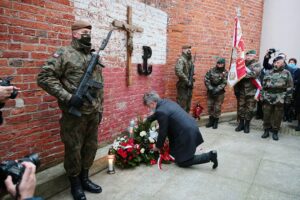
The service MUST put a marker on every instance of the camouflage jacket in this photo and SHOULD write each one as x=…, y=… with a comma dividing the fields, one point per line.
x=245, y=86
x=277, y=86
x=62, y=73
x=216, y=80
x=182, y=70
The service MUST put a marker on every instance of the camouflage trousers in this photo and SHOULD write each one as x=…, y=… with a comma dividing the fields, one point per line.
x=214, y=104
x=273, y=116
x=80, y=136
x=245, y=107
x=183, y=99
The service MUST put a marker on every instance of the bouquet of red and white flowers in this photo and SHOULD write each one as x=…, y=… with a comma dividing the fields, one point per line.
x=133, y=149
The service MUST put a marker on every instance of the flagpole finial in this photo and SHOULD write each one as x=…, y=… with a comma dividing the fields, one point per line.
x=238, y=11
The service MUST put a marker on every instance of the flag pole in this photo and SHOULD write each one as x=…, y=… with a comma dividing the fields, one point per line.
x=238, y=14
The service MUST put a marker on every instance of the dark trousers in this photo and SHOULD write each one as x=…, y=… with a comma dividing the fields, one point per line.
x=196, y=160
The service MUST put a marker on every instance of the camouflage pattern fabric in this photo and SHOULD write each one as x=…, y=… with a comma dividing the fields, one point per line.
x=62, y=74
x=245, y=92
x=182, y=70
x=60, y=77
x=79, y=135
x=272, y=116
x=246, y=107
x=214, y=104
x=216, y=80
x=277, y=87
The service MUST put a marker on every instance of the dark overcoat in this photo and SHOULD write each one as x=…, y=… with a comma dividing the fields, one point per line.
x=181, y=129
x=297, y=90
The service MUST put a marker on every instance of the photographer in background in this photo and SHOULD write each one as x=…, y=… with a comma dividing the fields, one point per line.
x=24, y=190
x=5, y=93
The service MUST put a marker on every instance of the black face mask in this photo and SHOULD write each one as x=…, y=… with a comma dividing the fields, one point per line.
x=85, y=39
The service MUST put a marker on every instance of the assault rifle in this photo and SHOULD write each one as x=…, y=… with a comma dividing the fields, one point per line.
x=86, y=81
x=191, y=78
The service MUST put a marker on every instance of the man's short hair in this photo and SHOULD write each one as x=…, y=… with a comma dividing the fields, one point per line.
x=150, y=97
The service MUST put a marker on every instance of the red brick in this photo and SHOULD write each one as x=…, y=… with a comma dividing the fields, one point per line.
x=11, y=54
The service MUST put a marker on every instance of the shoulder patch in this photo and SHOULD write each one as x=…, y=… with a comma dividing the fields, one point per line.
x=58, y=53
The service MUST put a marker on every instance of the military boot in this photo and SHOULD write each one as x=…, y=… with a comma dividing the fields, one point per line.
x=247, y=126
x=210, y=122
x=76, y=189
x=275, y=135
x=240, y=126
x=216, y=121
x=87, y=184
x=298, y=127
x=214, y=158
x=266, y=133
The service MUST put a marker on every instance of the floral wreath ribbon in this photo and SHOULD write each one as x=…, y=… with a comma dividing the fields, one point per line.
x=164, y=155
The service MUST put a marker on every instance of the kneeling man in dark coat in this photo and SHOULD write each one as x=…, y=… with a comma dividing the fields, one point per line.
x=182, y=130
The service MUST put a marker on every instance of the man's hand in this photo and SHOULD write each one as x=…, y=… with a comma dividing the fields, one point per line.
x=155, y=148
x=27, y=184
x=5, y=92
x=76, y=101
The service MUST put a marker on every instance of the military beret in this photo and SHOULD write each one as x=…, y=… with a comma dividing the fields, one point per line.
x=81, y=24
x=186, y=46
x=221, y=60
x=251, y=52
x=278, y=58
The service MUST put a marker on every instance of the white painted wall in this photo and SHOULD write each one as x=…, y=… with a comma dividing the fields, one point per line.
x=281, y=27
x=101, y=15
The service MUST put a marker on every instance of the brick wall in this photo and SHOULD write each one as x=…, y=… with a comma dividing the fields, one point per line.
x=31, y=30
x=207, y=25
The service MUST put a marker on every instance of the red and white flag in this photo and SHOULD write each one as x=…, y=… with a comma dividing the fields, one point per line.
x=238, y=69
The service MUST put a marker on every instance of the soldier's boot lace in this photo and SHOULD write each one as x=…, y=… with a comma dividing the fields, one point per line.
x=266, y=133
x=87, y=184
x=240, y=126
x=216, y=121
x=275, y=135
x=76, y=188
x=247, y=126
x=210, y=122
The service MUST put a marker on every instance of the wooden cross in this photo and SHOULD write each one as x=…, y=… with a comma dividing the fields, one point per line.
x=130, y=29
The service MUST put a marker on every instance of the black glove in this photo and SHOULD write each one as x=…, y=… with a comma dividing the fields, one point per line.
x=75, y=101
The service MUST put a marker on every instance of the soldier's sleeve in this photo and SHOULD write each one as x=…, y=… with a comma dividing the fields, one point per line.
x=179, y=71
x=255, y=72
x=207, y=81
x=51, y=72
x=289, y=90
x=223, y=83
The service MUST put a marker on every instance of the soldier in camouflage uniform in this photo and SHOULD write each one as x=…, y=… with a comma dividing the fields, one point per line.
x=245, y=92
x=182, y=70
x=277, y=90
x=60, y=77
x=215, y=82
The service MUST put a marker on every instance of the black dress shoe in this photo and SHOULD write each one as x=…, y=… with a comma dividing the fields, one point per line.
x=87, y=184
x=214, y=158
